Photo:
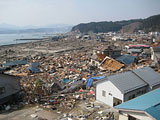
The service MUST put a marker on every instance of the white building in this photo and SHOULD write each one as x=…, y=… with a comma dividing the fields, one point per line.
x=122, y=87
x=155, y=54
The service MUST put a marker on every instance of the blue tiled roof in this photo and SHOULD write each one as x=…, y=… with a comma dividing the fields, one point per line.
x=149, y=102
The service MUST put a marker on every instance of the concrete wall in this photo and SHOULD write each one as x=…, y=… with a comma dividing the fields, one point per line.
x=123, y=117
x=111, y=91
x=139, y=116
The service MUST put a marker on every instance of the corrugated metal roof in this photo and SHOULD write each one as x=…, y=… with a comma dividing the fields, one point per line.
x=148, y=75
x=154, y=111
x=126, y=81
x=131, y=80
x=149, y=102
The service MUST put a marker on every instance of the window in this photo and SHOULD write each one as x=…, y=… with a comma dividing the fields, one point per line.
x=2, y=90
x=103, y=93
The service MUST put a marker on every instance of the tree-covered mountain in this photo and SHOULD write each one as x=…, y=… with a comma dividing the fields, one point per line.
x=149, y=24
x=152, y=24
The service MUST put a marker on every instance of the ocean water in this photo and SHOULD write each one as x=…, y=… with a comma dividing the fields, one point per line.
x=8, y=39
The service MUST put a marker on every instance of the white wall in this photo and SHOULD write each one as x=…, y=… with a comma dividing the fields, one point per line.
x=109, y=88
x=139, y=116
x=123, y=117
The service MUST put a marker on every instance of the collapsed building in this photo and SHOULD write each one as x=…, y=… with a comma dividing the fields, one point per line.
x=9, y=88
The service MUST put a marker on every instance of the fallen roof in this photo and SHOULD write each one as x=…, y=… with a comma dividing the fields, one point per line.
x=110, y=64
x=149, y=102
x=14, y=63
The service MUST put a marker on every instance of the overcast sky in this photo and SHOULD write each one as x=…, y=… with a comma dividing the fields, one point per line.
x=43, y=12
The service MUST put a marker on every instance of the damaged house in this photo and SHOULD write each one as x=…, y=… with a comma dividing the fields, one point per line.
x=110, y=51
x=9, y=87
x=136, y=50
x=102, y=52
x=110, y=64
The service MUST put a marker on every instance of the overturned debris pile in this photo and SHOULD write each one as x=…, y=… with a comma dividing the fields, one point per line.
x=110, y=64
x=46, y=76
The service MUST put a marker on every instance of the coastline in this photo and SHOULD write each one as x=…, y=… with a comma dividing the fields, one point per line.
x=17, y=44
x=19, y=39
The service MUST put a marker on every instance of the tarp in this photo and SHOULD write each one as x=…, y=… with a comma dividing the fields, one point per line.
x=13, y=63
x=98, y=78
x=90, y=80
x=66, y=80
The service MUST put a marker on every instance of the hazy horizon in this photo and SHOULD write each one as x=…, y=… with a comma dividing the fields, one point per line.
x=72, y=12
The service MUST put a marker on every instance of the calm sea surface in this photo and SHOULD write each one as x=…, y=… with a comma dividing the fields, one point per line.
x=7, y=39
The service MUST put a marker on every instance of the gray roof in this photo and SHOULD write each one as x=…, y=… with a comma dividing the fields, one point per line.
x=126, y=81
x=148, y=75
x=131, y=80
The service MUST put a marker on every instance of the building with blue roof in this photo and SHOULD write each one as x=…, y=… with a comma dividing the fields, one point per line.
x=145, y=107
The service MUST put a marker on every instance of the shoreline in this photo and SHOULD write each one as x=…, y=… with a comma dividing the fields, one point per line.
x=21, y=41
x=17, y=44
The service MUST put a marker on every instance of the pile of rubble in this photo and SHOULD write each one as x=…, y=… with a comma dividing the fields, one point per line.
x=62, y=80
x=54, y=79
